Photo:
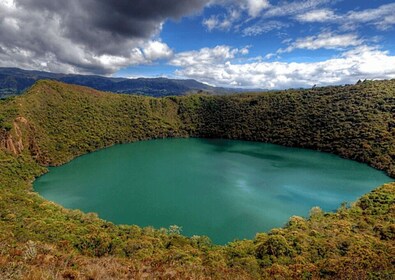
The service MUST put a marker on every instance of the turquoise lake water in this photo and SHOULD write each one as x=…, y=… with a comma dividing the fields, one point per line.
x=224, y=189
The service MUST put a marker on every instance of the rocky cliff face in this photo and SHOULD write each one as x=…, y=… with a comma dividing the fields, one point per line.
x=11, y=143
x=20, y=138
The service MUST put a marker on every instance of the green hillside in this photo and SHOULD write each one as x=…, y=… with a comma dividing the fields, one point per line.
x=53, y=123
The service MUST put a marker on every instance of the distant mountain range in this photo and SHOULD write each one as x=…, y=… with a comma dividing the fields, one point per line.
x=14, y=81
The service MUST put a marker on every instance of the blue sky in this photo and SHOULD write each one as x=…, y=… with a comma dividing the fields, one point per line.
x=317, y=32
x=232, y=43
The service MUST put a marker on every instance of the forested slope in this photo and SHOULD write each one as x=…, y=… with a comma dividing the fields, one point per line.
x=356, y=122
x=53, y=123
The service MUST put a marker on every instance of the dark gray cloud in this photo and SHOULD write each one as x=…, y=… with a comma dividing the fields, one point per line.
x=95, y=23
x=85, y=35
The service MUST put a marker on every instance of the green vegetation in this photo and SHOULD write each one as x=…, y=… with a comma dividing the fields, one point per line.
x=53, y=123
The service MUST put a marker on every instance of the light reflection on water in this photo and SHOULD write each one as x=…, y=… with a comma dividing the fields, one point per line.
x=220, y=188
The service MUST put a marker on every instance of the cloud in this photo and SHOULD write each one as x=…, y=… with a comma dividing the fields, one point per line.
x=207, y=56
x=222, y=22
x=248, y=11
x=255, y=7
x=91, y=36
x=154, y=50
x=293, y=8
x=382, y=17
x=252, y=7
x=212, y=23
x=263, y=26
x=322, y=15
x=265, y=9
x=234, y=13
x=308, y=11
x=325, y=40
x=362, y=62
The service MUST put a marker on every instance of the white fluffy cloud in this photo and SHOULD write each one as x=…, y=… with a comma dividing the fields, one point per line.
x=207, y=56
x=255, y=7
x=217, y=66
x=155, y=50
x=65, y=59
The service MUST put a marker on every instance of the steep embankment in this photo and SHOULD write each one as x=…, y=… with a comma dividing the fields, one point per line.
x=54, y=122
x=356, y=122
x=72, y=120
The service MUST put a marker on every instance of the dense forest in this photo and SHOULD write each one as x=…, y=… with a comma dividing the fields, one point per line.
x=52, y=123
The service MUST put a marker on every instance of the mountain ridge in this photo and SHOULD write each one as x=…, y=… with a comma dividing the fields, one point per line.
x=13, y=81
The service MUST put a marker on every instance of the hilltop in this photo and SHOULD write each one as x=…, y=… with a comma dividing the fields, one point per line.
x=14, y=81
x=53, y=122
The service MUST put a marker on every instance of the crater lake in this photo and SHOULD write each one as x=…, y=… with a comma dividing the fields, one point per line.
x=224, y=189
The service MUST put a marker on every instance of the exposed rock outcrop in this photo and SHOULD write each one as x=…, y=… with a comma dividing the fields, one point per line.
x=19, y=137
